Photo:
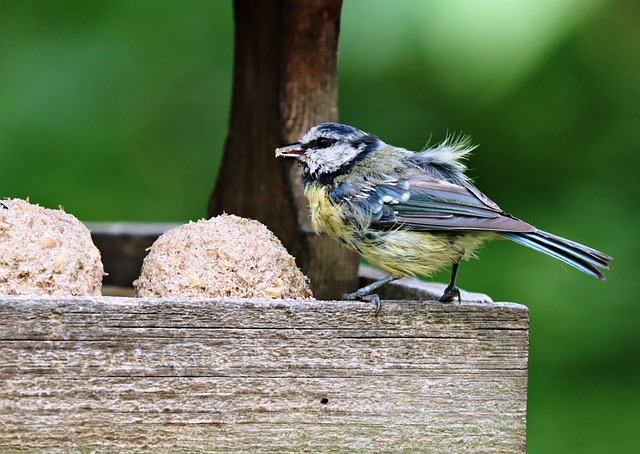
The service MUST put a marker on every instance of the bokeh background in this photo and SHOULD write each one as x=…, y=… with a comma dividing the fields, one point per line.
x=118, y=109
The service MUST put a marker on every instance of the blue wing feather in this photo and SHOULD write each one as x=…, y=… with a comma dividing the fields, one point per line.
x=431, y=204
x=575, y=254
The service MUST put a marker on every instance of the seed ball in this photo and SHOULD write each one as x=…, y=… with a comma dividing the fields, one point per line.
x=223, y=257
x=46, y=252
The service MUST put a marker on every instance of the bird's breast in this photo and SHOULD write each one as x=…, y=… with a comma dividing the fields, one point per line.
x=329, y=217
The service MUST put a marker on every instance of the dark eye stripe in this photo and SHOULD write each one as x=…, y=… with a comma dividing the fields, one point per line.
x=321, y=142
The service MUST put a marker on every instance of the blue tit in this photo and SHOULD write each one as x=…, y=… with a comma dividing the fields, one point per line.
x=410, y=213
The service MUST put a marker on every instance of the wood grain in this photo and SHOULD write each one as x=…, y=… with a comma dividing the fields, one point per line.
x=125, y=374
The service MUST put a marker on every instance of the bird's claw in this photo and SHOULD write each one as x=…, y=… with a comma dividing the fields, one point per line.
x=370, y=298
x=451, y=293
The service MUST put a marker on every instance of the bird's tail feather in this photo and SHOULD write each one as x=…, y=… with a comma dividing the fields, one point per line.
x=575, y=254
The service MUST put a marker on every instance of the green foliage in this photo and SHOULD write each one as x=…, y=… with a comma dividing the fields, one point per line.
x=118, y=111
x=114, y=109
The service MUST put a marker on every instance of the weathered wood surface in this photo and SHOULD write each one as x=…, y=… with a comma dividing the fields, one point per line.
x=247, y=376
x=284, y=82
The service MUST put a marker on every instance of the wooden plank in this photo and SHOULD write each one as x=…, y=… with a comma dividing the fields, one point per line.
x=124, y=374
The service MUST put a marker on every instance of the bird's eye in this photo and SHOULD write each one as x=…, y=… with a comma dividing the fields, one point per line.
x=324, y=142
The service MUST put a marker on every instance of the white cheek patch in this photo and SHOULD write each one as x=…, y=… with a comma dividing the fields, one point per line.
x=331, y=159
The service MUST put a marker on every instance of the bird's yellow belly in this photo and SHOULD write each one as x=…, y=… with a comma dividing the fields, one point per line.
x=407, y=252
x=398, y=252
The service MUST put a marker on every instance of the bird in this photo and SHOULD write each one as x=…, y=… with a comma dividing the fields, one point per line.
x=409, y=212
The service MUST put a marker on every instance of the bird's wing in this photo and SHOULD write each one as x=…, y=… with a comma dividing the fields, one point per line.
x=423, y=202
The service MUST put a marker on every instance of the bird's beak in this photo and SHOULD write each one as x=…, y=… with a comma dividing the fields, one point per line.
x=291, y=151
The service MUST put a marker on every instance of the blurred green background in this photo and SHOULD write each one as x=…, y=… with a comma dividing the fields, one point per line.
x=117, y=110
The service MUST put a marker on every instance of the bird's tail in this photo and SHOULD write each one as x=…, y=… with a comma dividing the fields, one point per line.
x=575, y=254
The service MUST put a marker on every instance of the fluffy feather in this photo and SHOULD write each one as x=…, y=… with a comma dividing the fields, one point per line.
x=446, y=160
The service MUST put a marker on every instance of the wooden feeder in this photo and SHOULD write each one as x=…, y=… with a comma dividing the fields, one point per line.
x=117, y=373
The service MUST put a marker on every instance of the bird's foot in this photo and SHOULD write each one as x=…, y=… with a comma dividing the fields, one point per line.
x=451, y=293
x=362, y=296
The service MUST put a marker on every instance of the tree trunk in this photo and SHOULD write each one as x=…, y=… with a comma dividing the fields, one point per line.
x=285, y=81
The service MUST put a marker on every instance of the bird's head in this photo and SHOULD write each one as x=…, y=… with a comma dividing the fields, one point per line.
x=331, y=149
